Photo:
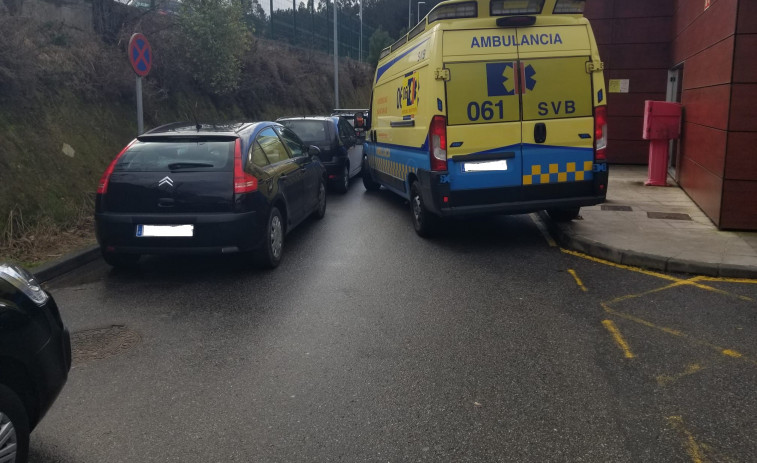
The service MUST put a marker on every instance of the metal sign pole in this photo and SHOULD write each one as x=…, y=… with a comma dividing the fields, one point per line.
x=140, y=119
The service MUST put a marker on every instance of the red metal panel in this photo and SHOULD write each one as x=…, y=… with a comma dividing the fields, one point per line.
x=744, y=63
x=638, y=56
x=707, y=106
x=747, y=21
x=643, y=30
x=710, y=67
x=625, y=128
x=643, y=8
x=702, y=186
x=630, y=104
x=739, y=208
x=705, y=146
x=744, y=108
x=718, y=23
x=741, y=158
x=596, y=9
x=642, y=81
x=627, y=151
x=602, y=32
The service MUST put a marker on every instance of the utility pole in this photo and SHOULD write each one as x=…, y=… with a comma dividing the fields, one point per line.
x=408, y=14
x=360, y=53
x=419, y=10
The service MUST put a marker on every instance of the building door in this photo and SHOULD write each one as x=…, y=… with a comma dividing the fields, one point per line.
x=674, y=90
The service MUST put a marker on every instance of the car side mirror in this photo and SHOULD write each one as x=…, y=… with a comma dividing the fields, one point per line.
x=362, y=121
x=313, y=151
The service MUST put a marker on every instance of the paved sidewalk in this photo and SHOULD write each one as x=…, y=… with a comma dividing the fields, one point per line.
x=659, y=228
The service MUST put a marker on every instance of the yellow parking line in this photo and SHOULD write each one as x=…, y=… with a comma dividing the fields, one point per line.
x=578, y=280
x=621, y=266
x=610, y=326
x=664, y=380
x=693, y=449
x=721, y=350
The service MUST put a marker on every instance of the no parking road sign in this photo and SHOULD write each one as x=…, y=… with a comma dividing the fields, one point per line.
x=140, y=54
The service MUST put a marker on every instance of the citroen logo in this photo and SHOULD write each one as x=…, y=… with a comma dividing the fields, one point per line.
x=165, y=181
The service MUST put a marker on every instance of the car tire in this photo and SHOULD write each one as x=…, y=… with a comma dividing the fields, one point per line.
x=13, y=415
x=564, y=214
x=368, y=182
x=270, y=253
x=424, y=222
x=320, y=210
x=344, y=180
x=118, y=260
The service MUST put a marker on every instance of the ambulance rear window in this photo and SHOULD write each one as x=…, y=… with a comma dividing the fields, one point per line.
x=570, y=6
x=509, y=7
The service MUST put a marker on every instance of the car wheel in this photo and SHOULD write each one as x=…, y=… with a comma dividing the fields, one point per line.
x=344, y=181
x=14, y=427
x=320, y=211
x=120, y=260
x=368, y=182
x=269, y=255
x=565, y=214
x=424, y=222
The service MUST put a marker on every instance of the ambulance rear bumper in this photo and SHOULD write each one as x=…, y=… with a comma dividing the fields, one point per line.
x=508, y=200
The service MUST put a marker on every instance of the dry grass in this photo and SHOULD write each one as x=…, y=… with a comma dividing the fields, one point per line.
x=44, y=240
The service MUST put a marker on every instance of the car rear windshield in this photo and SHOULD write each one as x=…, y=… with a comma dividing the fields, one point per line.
x=311, y=132
x=172, y=155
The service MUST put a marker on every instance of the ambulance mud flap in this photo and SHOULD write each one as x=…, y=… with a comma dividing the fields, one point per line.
x=434, y=188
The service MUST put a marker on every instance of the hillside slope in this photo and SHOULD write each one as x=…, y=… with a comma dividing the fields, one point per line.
x=67, y=106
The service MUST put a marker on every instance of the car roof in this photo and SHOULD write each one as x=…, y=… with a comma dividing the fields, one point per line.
x=229, y=129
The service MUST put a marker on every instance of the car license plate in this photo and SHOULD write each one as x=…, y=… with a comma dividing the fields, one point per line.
x=482, y=166
x=165, y=230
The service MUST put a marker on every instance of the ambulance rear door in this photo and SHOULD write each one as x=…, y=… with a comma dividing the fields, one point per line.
x=483, y=110
x=557, y=104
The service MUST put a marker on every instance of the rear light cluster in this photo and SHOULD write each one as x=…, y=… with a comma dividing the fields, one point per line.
x=600, y=133
x=102, y=187
x=437, y=143
x=244, y=182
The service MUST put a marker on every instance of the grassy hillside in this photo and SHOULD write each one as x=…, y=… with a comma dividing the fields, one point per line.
x=67, y=106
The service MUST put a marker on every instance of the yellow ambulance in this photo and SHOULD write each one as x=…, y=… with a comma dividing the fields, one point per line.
x=488, y=107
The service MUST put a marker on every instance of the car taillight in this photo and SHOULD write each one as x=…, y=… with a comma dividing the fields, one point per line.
x=102, y=187
x=243, y=182
x=437, y=143
x=600, y=133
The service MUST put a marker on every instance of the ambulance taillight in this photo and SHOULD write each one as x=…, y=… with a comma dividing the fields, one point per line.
x=600, y=133
x=437, y=143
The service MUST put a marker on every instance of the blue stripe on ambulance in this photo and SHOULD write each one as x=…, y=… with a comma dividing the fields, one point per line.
x=380, y=71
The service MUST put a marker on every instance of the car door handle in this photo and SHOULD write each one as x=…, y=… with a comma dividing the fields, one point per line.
x=540, y=132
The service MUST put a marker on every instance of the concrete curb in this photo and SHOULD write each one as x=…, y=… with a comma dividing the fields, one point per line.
x=640, y=259
x=65, y=264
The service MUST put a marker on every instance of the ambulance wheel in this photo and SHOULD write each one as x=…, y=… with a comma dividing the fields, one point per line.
x=564, y=214
x=424, y=222
x=368, y=181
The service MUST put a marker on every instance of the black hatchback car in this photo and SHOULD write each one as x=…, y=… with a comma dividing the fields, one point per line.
x=186, y=188
x=341, y=149
x=35, y=358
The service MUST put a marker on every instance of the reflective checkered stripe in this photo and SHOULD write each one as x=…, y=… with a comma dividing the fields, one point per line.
x=393, y=168
x=559, y=173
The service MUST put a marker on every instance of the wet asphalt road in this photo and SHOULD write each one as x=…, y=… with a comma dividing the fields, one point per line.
x=371, y=344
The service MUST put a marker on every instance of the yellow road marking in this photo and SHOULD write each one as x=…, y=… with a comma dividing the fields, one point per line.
x=678, y=281
x=610, y=326
x=664, y=380
x=545, y=233
x=578, y=280
x=693, y=449
x=721, y=350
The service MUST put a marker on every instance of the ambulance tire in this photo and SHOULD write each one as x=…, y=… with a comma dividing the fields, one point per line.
x=424, y=222
x=368, y=182
x=564, y=214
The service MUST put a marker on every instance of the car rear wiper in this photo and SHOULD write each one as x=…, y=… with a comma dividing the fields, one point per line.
x=188, y=165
